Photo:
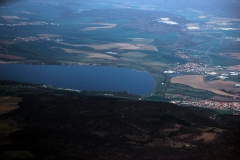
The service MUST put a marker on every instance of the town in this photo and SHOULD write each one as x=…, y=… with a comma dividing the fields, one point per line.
x=29, y=24
x=210, y=104
x=218, y=71
x=32, y=39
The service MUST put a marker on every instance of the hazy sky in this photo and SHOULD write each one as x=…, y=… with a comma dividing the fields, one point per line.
x=220, y=8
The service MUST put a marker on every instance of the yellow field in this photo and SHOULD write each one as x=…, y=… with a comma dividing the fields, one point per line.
x=196, y=81
x=115, y=46
x=149, y=63
x=207, y=137
x=8, y=42
x=223, y=84
x=3, y=62
x=49, y=35
x=10, y=57
x=226, y=85
x=154, y=64
x=8, y=104
x=89, y=54
x=223, y=20
x=102, y=25
x=13, y=17
x=231, y=55
x=192, y=25
x=236, y=67
x=134, y=54
x=142, y=40
x=202, y=17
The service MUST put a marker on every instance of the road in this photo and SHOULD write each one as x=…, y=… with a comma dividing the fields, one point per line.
x=167, y=80
x=193, y=50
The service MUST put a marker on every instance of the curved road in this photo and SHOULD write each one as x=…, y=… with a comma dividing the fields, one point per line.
x=210, y=60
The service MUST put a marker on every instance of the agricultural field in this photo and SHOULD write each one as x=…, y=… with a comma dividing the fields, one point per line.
x=196, y=81
x=171, y=73
x=9, y=126
x=8, y=104
x=179, y=91
x=228, y=86
x=144, y=38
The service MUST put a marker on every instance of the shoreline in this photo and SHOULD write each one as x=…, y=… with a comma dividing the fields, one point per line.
x=88, y=64
x=83, y=64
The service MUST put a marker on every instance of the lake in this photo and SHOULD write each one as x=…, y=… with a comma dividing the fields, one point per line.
x=90, y=78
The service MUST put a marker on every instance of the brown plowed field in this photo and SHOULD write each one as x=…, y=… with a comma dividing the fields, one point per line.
x=196, y=81
x=8, y=104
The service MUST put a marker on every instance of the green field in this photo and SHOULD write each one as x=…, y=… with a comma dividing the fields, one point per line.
x=223, y=111
x=222, y=61
x=138, y=40
x=187, y=92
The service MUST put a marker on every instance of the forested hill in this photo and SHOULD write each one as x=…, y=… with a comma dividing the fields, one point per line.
x=53, y=124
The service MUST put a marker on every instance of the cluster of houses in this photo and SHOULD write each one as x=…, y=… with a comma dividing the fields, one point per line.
x=32, y=39
x=29, y=24
x=211, y=104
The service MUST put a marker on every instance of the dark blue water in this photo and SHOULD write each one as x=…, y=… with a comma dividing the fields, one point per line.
x=90, y=78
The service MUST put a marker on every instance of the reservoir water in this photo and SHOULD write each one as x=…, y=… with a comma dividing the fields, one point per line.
x=90, y=78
